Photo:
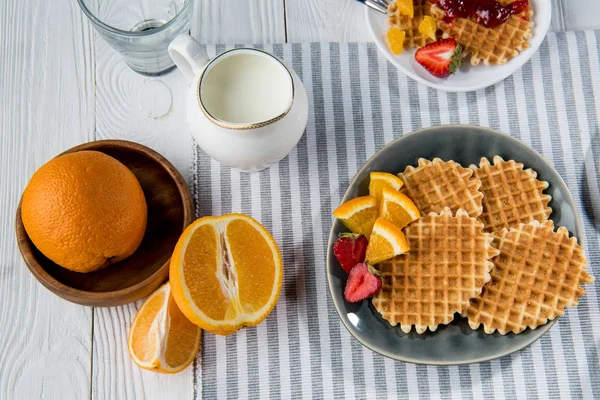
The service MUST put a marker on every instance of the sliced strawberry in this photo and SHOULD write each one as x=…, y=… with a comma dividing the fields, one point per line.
x=363, y=282
x=440, y=58
x=350, y=249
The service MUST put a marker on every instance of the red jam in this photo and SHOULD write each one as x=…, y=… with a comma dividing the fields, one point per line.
x=488, y=13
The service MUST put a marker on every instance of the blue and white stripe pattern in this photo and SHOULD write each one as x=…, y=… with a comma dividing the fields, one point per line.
x=359, y=102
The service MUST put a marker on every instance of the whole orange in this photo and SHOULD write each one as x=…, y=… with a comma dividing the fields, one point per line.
x=84, y=211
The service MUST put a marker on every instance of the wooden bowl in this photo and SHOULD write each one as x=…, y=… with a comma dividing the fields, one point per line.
x=170, y=210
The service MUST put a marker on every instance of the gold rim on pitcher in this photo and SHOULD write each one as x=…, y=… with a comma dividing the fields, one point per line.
x=245, y=126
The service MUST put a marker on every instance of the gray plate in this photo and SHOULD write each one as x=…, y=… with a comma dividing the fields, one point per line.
x=455, y=343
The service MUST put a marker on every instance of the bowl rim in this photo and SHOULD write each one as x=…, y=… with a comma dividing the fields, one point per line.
x=515, y=64
x=543, y=329
x=94, y=299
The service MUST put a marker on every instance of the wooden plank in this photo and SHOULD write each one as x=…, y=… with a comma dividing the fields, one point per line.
x=240, y=21
x=325, y=21
x=581, y=14
x=115, y=376
x=46, y=106
x=558, y=21
x=151, y=111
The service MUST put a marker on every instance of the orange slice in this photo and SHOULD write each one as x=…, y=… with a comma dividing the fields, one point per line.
x=161, y=338
x=395, y=38
x=226, y=273
x=406, y=7
x=428, y=27
x=397, y=208
x=386, y=241
x=380, y=180
x=358, y=214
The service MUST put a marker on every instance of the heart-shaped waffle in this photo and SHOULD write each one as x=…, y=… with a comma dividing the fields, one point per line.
x=494, y=45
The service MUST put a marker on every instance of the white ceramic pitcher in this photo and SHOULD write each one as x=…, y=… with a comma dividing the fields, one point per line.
x=245, y=108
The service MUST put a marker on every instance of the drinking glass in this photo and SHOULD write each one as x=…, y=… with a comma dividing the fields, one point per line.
x=140, y=30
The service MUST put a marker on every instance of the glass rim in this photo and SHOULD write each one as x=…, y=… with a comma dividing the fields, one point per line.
x=121, y=32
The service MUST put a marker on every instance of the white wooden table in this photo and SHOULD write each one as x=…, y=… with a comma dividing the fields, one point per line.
x=62, y=85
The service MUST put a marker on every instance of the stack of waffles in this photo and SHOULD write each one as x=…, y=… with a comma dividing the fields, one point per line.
x=484, y=248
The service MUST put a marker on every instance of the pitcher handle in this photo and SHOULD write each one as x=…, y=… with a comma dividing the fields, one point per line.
x=188, y=55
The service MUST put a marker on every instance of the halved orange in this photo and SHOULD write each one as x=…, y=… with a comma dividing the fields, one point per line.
x=226, y=273
x=397, y=208
x=358, y=214
x=387, y=241
x=161, y=338
x=380, y=180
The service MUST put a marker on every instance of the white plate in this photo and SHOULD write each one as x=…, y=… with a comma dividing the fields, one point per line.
x=468, y=77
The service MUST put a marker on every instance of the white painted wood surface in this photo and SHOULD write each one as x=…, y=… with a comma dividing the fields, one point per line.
x=578, y=14
x=61, y=85
x=46, y=106
x=121, y=114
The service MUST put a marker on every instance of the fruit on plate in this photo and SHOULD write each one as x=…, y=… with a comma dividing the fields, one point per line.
x=428, y=27
x=363, y=282
x=350, y=249
x=161, y=338
x=440, y=58
x=380, y=180
x=84, y=211
x=358, y=214
x=386, y=241
x=395, y=38
x=397, y=208
x=406, y=7
x=226, y=273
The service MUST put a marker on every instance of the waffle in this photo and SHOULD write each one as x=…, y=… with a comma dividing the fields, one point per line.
x=511, y=194
x=538, y=273
x=494, y=45
x=409, y=25
x=447, y=265
x=436, y=184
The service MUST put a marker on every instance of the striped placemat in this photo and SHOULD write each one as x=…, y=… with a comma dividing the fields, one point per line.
x=359, y=102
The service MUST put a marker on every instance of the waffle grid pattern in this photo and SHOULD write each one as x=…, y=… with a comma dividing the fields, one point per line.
x=511, y=194
x=409, y=25
x=494, y=45
x=538, y=273
x=314, y=356
x=436, y=184
x=447, y=265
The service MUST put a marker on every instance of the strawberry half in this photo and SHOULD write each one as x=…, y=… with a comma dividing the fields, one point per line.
x=363, y=282
x=350, y=249
x=440, y=58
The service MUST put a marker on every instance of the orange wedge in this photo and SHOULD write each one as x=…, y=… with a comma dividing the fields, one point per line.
x=428, y=27
x=226, y=273
x=161, y=338
x=380, y=180
x=397, y=208
x=406, y=7
x=358, y=214
x=395, y=38
x=386, y=241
